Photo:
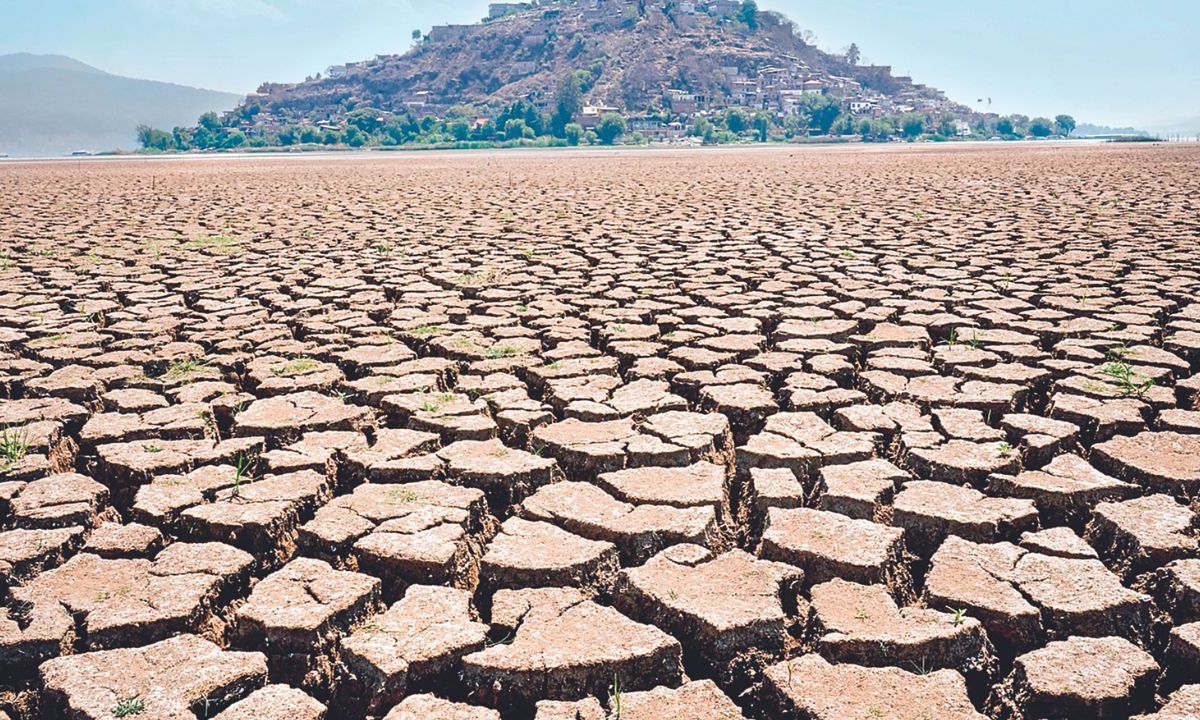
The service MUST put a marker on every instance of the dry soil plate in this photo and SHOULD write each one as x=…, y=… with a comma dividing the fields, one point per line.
x=830, y=434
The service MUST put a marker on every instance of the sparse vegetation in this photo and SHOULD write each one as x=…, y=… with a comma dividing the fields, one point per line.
x=212, y=242
x=426, y=330
x=299, y=366
x=403, y=494
x=1129, y=381
x=14, y=446
x=127, y=707
x=183, y=368
x=503, y=351
x=241, y=474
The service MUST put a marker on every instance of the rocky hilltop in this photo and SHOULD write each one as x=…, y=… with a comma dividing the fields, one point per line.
x=634, y=56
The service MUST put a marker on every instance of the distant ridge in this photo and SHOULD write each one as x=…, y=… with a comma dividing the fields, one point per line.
x=1085, y=129
x=52, y=105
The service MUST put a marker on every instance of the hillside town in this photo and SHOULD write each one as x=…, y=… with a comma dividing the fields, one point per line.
x=778, y=88
x=575, y=72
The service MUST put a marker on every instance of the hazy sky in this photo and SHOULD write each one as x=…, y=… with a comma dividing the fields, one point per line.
x=1104, y=61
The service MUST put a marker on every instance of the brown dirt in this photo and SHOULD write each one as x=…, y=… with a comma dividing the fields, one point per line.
x=865, y=432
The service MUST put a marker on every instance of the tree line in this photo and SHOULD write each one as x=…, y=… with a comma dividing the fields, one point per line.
x=522, y=123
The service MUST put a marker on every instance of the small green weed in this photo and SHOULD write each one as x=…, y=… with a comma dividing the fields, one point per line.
x=132, y=705
x=1128, y=380
x=213, y=242
x=299, y=366
x=504, y=351
x=14, y=446
x=241, y=474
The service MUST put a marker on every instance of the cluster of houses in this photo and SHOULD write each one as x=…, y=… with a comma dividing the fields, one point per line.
x=779, y=89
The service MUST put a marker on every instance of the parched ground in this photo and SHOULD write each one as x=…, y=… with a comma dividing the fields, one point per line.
x=791, y=433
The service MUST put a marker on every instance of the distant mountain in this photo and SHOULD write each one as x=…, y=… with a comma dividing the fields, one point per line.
x=1084, y=129
x=52, y=105
x=1188, y=127
x=638, y=56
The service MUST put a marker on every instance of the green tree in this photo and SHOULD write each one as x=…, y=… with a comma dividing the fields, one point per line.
x=525, y=111
x=366, y=119
x=573, y=132
x=880, y=129
x=460, y=130
x=700, y=127
x=821, y=110
x=203, y=138
x=310, y=134
x=1004, y=126
x=288, y=135
x=852, y=54
x=567, y=103
x=844, y=125
x=416, y=34
x=354, y=136
x=515, y=129
x=795, y=126
x=912, y=125
x=210, y=122
x=947, y=126
x=233, y=139
x=586, y=79
x=612, y=126
x=183, y=138
x=430, y=125
x=1065, y=125
x=1041, y=127
x=155, y=139
x=762, y=125
x=401, y=129
x=749, y=14
x=485, y=130
x=736, y=120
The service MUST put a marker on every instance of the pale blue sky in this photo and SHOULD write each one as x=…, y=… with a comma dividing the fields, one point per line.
x=1104, y=61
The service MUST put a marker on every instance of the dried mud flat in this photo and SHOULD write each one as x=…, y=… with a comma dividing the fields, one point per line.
x=831, y=434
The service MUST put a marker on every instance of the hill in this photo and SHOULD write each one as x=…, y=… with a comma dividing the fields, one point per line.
x=51, y=105
x=1187, y=127
x=639, y=57
x=1085, y=129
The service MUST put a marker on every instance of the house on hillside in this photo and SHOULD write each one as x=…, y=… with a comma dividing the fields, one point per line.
x=791, y=101
x=861, y=107
x=655, y=130
x=500, y=9
x=682, y=103
x=418, y=100
x=337, y=71
x=521, y=68
x=747, y=93
x=725, y=8
x=589, y=117
x=448, y=33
